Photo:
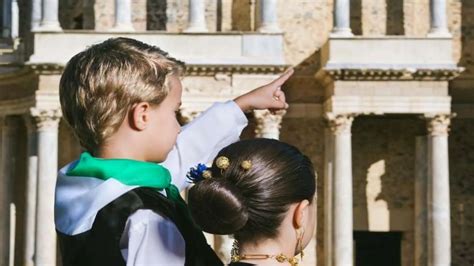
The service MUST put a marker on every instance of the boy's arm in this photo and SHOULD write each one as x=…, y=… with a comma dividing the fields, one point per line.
x=201, y=139
x=150, y=239
x=220, y=126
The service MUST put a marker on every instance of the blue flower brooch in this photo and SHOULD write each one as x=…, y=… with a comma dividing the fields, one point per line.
x=198, y=173
x=201, y=171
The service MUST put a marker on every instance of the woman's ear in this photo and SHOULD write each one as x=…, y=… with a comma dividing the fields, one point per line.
x=139, y=116
x=300, y=214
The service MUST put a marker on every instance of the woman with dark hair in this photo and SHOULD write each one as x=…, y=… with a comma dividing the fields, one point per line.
x=261, y=192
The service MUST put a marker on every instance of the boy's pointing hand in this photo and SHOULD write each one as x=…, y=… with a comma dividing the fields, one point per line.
x=269, y=96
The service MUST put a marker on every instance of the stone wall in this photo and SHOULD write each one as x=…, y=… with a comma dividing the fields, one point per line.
x=383, y=176
x=461, y=154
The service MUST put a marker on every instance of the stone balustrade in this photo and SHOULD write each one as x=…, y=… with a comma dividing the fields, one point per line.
x=45, y=17
x=438, y=15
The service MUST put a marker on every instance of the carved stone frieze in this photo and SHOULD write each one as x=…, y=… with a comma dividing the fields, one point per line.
x=394, y=74
x=210, y=70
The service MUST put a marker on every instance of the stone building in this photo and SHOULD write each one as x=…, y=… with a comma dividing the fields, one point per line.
x=382, y=101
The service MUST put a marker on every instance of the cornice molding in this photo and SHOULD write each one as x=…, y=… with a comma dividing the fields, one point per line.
x=46, y=69
x=191, y=69
x=209, y=70
x=375, y=74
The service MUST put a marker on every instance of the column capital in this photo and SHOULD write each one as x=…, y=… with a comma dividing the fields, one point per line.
x=188, y=114
x=46, y=118
x=340, y=123
x=268, y=123
x=438, y=125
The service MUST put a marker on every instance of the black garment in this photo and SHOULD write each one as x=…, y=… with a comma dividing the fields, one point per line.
x=241, y=264
x=100, y=245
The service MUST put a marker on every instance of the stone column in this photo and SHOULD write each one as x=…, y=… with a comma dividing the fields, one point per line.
x=7, y=18
x=47, y=122
x=438, y=195
x=15, y=27
x=342, y=26
x=31, y=183
x=439, y=24
x=49, y=16
x=328, y=187
x=12, y=238
x=268, y=16
x=4, y=201
x=123, y=16
x=421, y=204
x=35, y=14
x=9, y=143
x=342, y=225
x=197, y=16
x=268, y=124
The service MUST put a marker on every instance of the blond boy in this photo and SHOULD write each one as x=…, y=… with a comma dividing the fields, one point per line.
x=118, y=203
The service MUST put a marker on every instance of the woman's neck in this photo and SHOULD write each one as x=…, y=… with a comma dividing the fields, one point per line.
x=271, y=247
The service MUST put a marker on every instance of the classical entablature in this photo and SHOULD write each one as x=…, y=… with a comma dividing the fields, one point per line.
x=387, y=75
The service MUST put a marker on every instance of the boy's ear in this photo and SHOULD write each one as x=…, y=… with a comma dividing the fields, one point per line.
x=300, y=214
x=139, y=116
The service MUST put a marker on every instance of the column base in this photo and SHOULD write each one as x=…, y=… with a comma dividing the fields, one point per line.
x=48, y=26
x=269, y=29
x=341, y=32
x=197, y=29
x=122, y=28
x=439, y=33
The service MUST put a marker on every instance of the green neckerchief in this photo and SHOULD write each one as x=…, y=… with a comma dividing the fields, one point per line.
x=128, y=172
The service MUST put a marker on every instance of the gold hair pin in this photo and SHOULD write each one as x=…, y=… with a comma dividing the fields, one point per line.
x=222, y=163
x=206, y=174
x=246, y=165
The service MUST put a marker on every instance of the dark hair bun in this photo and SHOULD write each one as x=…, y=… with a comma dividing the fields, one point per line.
x=217, y=206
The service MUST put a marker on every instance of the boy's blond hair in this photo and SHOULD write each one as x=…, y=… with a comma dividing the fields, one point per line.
x=100, y=85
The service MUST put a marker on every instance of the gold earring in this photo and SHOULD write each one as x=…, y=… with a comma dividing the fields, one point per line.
x=299, y=242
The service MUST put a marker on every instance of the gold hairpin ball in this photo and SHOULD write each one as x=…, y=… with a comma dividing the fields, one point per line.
x=246, y=165
x=222, y=162
x=206, y=174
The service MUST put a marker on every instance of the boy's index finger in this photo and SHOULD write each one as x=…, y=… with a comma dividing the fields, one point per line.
x=284, y=77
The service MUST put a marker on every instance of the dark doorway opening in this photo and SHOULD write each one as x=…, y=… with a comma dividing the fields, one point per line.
x=377, y=248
